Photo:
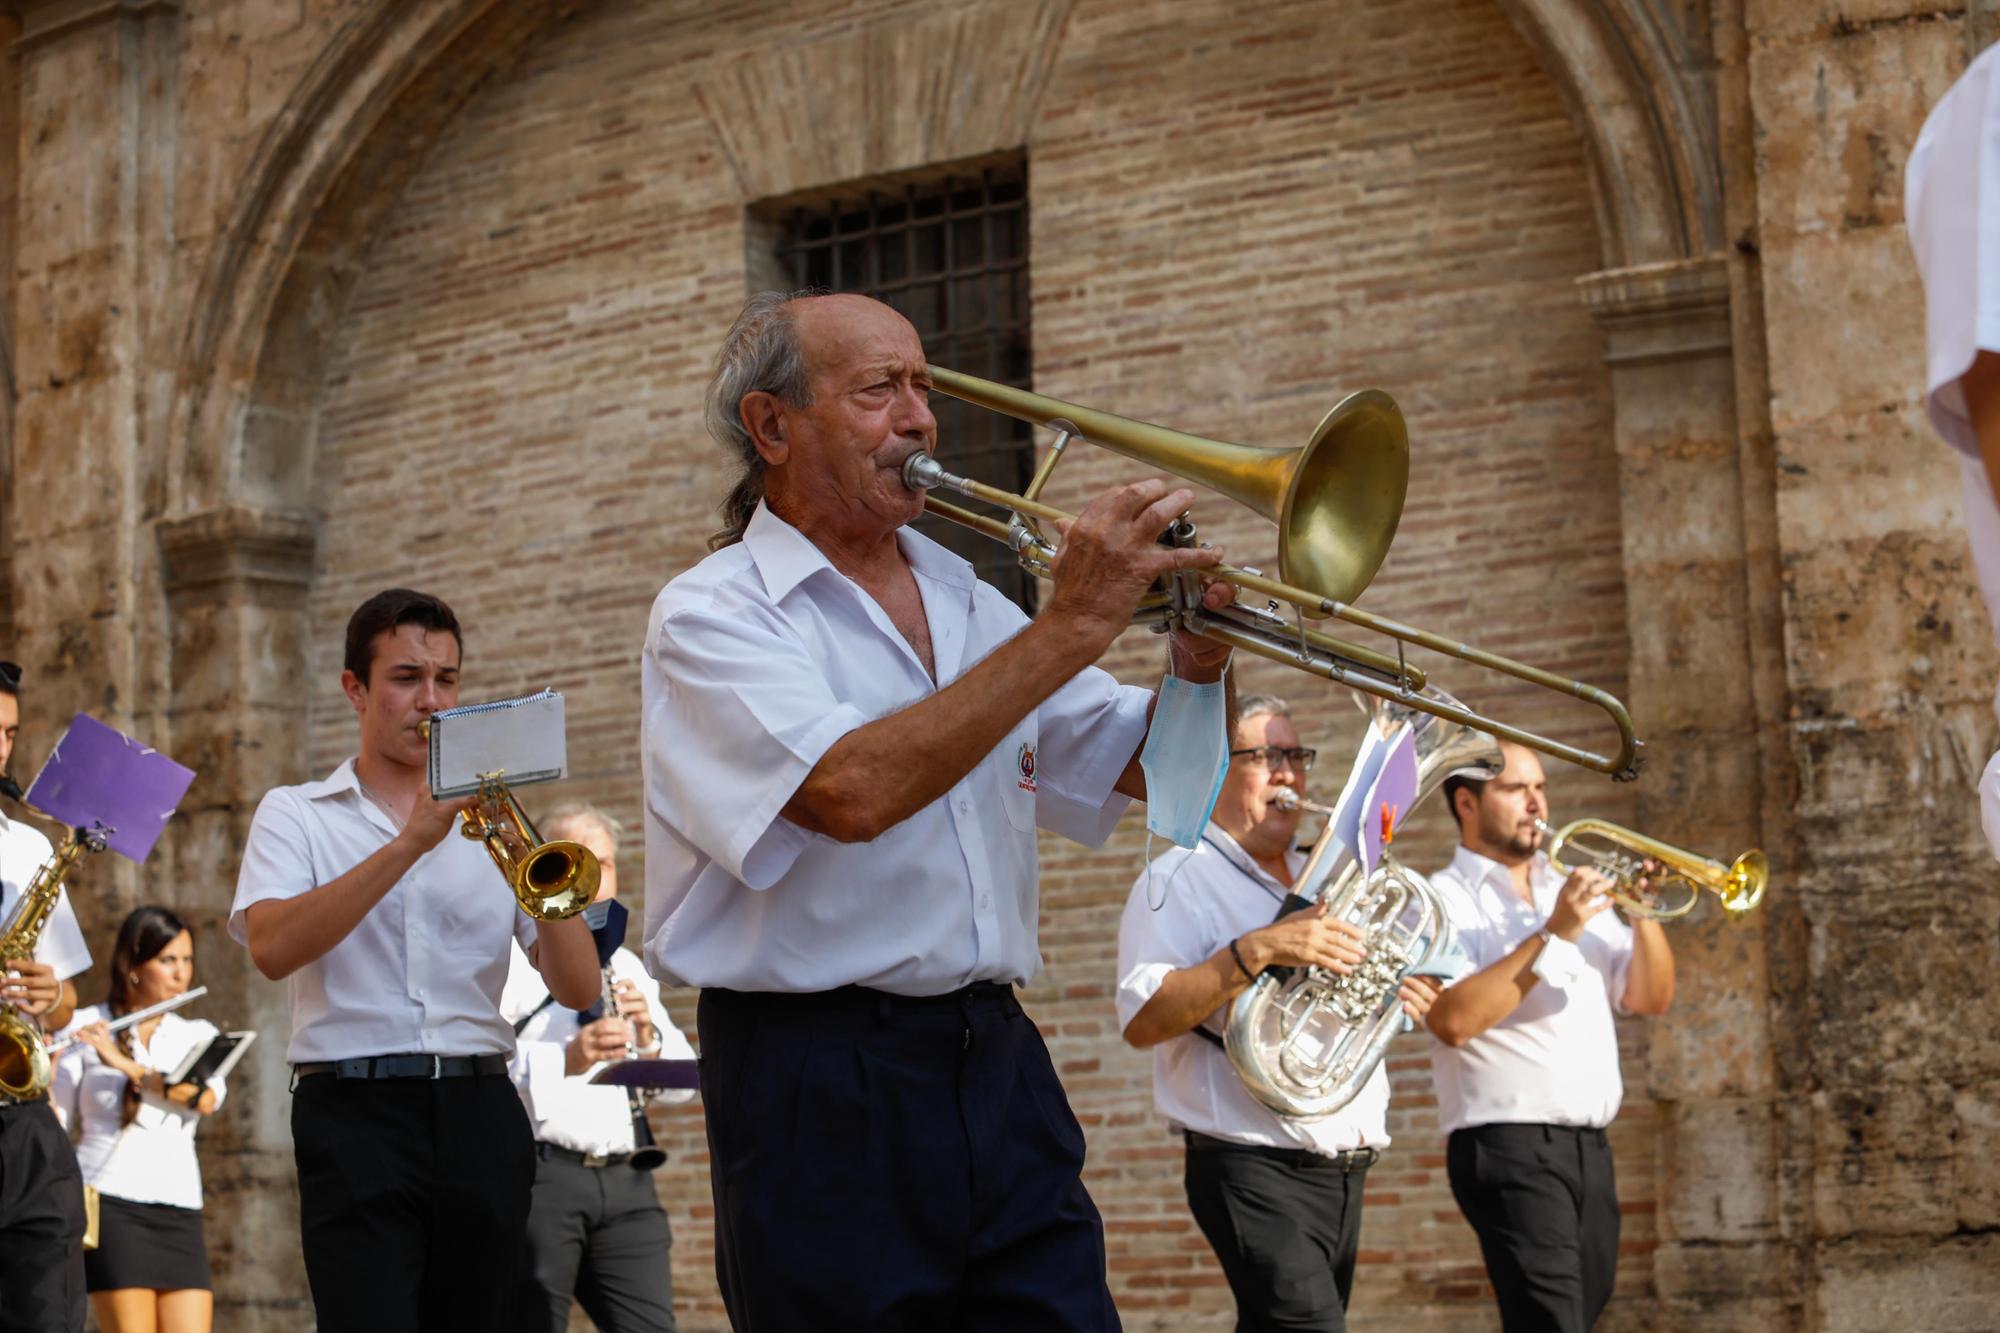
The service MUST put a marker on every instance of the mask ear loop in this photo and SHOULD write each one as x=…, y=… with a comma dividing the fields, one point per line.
x=1167, y=888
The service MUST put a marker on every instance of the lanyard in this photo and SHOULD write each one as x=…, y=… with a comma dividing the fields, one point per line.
x=1237, y=866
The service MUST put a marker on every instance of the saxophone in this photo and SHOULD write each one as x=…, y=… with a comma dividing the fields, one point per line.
x=24, y=1056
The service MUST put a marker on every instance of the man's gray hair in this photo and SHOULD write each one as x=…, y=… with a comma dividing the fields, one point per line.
x=575, y=812
x=1261, y=705
x=761, y=354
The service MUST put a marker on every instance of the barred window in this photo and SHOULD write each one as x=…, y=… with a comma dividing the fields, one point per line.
x=949, y=251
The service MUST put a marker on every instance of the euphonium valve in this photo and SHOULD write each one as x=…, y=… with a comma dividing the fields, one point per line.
x=1676, y=883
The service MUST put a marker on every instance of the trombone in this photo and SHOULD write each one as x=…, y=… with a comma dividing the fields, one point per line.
x=1336, y=502
x=1622, y=854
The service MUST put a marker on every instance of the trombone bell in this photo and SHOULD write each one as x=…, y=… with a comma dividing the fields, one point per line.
x=1336, y=500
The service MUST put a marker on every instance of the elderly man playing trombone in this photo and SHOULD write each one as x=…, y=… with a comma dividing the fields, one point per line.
x=849, y=744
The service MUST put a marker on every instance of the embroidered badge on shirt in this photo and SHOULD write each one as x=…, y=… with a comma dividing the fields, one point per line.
x=1024, y=762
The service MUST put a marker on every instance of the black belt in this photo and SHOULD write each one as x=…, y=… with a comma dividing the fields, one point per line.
x=406, y=1066
x=555, y=1152
x=1348, y=1162
x=861, y=1000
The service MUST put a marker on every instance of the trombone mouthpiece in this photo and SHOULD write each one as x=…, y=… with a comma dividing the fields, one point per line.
x=921, y=472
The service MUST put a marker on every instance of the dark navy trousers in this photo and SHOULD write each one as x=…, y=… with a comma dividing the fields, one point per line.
x=892, y=1164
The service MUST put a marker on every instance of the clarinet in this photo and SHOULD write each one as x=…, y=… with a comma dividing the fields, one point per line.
x=647, y=1155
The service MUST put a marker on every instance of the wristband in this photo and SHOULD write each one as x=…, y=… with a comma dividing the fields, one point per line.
x=1248, y=975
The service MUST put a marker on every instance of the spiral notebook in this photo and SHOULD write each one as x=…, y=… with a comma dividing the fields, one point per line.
x=212, y=1059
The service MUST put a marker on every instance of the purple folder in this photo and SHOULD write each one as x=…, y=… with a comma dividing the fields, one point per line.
x=99, y=778
x=651, y=1074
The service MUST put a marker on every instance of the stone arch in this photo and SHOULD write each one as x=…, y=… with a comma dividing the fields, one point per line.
x=326, y=171
x=1642, y=96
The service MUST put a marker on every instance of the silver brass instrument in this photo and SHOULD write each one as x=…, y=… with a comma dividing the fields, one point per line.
x=1336, y=502
x=1305, y=1040
x=1676, y=884
x=25, y=1070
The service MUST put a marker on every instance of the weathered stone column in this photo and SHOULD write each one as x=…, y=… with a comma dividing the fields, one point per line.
x=97, y=84
x=236, y=589
x=1688, y=582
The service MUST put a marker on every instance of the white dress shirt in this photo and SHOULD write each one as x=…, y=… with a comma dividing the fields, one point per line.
x=152, y=1159
x=23, y=851
x=756, y=661
x=1208, y=896
x=1554, y=1060
x=568, y=1110
x=422, y=971
x=1951, y=203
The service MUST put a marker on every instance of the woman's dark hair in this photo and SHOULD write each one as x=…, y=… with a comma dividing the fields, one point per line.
x=146, y=932
x=386, y=612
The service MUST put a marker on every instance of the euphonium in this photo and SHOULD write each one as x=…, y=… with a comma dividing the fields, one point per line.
x=1304, y=1040
x=24, y=1055
x=552, y=881
x=1676, y=884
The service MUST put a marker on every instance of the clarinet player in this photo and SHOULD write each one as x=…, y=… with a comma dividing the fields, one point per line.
x=596, y=1232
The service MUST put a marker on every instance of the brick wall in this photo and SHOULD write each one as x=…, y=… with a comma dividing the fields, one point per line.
x=1234, y=224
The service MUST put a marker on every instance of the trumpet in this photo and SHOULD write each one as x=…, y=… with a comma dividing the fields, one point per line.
x=1622, y=854
x=552, y=881
x=1337, y=502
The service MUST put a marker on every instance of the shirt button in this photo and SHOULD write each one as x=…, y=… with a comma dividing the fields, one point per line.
x=964, y=806
x=985, y=901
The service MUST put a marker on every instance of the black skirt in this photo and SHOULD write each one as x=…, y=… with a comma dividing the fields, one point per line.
x=148, y=1245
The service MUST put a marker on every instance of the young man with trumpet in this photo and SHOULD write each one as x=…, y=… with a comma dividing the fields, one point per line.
x=596, y=1231
x=415, y=1160
x=1278, y=1198
x=849, y=743
x=41, y=1189
x=1526, y=1057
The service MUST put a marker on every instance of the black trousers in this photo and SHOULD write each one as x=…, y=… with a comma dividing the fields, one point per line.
x=889, y=1164
x=597, y=1233
x=413, y=1201
x=1286, y=1227
x=41, y=1223
x=1544, y=1203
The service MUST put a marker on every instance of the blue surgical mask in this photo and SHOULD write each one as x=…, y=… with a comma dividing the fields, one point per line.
x=1185, y=757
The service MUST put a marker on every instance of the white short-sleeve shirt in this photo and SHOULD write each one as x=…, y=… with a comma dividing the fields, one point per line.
x=422, y=972
x=151, y=1160
x=1554, y=1060
x=755, y=662
x=567, y=1109
x=1209, y=895
x=24, y=850
x=1951, y=205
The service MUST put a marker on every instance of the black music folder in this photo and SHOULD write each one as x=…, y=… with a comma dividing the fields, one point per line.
x=213, y=1059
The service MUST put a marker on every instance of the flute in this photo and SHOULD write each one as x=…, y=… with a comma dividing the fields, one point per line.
x=138, y=1016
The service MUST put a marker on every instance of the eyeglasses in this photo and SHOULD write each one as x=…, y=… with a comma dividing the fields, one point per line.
x=10, y=675
x=1275, y=757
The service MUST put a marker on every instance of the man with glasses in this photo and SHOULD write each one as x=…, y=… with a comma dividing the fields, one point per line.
x=1278, y=1198
x=41, y=1191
